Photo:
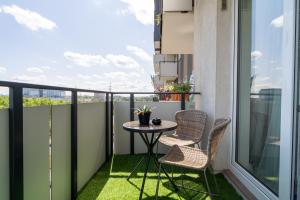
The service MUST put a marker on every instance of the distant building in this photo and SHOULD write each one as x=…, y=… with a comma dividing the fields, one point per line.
x=29, y=92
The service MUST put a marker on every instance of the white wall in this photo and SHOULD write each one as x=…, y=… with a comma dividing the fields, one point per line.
x=4, y=155
x=213, y=66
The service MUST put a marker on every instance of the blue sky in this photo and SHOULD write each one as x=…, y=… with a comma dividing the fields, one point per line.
x=84, y=44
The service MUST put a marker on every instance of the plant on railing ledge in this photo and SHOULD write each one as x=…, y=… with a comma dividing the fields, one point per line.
x=175, y=87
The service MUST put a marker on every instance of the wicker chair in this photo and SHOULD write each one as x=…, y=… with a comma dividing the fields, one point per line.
x=193, y=158
x=191, y=125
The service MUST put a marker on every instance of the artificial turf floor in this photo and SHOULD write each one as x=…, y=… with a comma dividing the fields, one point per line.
x=110, y=183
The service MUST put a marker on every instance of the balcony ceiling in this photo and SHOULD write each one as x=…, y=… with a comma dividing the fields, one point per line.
x=177, y=33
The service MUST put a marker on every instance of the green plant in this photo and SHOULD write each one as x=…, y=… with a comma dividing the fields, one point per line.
x=184, y=87
x=30, y=102
x=143, y=110
x=4, y=102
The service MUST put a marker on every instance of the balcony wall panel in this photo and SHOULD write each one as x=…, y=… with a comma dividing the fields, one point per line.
x=4, y=155
x=91, y=140
x=121, y=138
x=36, y=152
x=61, y=152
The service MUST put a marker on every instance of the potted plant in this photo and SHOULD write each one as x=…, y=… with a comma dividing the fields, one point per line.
x=144, y=114
x=181, y=88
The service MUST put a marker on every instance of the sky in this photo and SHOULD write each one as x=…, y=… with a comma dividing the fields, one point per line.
x=267, y=48
x=91, y=44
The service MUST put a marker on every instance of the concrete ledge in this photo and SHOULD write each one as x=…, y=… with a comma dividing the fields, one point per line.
x=242, y=190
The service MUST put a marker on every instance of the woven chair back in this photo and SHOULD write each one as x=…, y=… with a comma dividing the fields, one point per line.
x=191, y=124
x=215, y=136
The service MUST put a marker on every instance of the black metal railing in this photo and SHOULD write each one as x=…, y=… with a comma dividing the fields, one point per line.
x=16, y=165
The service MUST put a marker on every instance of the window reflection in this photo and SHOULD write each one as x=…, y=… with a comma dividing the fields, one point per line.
x=260, y=89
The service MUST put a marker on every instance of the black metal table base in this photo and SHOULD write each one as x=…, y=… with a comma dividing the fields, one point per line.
x=150, y=155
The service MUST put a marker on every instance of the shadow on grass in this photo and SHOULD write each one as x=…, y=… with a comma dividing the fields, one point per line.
x=116, y=171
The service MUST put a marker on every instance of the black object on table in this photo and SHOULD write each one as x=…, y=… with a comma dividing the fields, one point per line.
x=143, y=131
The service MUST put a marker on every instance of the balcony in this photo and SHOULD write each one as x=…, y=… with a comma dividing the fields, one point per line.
x=79, y=149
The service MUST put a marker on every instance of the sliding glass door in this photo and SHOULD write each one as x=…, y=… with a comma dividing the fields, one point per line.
x=265, y=92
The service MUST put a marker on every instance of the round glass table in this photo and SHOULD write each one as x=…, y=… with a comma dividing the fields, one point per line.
x=147, y=134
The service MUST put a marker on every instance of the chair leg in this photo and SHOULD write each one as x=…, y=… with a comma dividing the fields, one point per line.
x=217, y=186
x=215, y=181
x=207, y=184
x=172, y=169
x=156, y=150
x=158, y=181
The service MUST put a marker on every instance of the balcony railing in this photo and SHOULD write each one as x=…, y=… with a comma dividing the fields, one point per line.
x=51, y=152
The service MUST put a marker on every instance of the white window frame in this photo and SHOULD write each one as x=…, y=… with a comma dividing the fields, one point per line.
x=285, y=183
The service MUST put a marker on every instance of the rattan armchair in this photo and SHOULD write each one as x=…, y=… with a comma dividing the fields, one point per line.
x=190, y=129
x=193, y=158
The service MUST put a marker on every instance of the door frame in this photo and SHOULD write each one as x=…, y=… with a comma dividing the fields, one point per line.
x=286, y=186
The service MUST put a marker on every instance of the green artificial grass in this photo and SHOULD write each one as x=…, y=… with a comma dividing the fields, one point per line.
x=110, y=183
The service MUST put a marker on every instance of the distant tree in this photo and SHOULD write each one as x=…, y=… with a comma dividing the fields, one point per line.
x=30, y=102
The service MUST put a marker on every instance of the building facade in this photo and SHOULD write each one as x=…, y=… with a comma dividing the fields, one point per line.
x=245, y=64
x=29, y=92
x=173, y=59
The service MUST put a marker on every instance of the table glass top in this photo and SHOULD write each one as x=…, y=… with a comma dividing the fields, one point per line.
x=135, y=126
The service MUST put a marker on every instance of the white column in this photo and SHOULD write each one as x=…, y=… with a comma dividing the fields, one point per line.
x=213, y=65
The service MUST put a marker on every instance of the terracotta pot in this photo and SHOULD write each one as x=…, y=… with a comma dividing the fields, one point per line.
x=187, y=97
x=175, y=97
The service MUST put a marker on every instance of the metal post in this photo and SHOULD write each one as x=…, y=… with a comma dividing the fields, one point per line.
x=74, y=145
x=16, y=143
x=112, y=125
x=183, y=101
x=107, y=127
x=131, y=119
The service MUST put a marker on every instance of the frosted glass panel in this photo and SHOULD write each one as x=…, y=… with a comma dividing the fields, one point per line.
x=61, y=152
x=4, y=155
x=121, y=138
x=36, y=153
x=91, y=140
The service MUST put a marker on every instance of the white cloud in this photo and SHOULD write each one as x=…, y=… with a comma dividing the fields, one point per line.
x=88, y=60
x=46, y=68
x=143, y=10
x=139, y=52
x=255, y=55
x=26, y=78
x=35, y=70
x=63, y=78
x=278, y=22
x=2, y=70
x=84, y=77
x=85, y=60
x=32, y=20
x=122, y=61
x=69, y=66
x=97, y=76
